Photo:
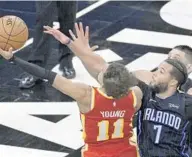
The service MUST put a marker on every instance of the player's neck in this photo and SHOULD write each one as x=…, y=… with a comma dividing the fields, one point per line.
x=166, y=94
x=102, y=90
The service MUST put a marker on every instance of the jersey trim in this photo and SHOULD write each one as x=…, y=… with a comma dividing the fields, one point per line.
x=183, y=139
x=83, y=126
x=103, y=94
x=139, y=129
x=92, y=98
x=134, y=99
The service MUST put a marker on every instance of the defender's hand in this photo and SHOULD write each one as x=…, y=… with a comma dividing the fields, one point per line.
x=82, y=39
x=57, y=34
x=6, y=54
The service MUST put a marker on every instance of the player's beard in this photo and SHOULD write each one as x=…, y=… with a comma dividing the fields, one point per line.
x=159, y=88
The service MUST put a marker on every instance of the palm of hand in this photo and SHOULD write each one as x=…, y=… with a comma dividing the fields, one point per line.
x=58, y=35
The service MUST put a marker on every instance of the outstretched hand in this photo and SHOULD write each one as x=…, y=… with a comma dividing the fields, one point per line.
x=6, y=54
x=80, y=42
x=82, y=38
x=57, y=34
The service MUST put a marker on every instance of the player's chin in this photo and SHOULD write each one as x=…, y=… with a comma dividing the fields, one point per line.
x=155, y=87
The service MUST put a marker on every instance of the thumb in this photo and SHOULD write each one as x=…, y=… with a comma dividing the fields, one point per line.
x=10, y=49
x=93, y=48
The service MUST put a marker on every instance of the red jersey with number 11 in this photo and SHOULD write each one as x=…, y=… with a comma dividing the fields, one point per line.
x=109, y=121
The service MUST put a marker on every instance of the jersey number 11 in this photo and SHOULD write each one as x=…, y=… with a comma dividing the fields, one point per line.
x=104, y=130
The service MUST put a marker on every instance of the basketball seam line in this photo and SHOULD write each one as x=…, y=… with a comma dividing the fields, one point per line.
x=18, y=33
x=18, y=25
x=8, y=44
x=22, y=30
x=10, y=32
x=4, y=27
x=12, y=40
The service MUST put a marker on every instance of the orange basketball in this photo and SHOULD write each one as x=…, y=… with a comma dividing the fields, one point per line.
x=13, y=32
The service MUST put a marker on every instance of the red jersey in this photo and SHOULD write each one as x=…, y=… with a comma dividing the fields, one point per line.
x=109, y=123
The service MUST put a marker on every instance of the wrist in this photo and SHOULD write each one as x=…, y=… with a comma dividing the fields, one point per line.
x=11, y=59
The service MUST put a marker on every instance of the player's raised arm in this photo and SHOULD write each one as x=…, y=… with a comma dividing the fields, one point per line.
x=140, y=90
x=143, y=75
x=78, y=91
x=79, y=45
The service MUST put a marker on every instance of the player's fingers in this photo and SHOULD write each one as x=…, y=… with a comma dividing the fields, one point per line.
x=93, y=48
x=47, y=27
x=48, y=32
x=87, y=33
x=81, y=29
x=1, y=54
x=72, y=35
x=77, y=30
x=1, y=51
x=10, y=49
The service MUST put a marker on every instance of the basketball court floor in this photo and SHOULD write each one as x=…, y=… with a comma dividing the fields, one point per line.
x=42, y=122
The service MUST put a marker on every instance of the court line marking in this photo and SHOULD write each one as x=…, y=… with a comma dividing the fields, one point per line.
x=10, y=151
x=151, y=38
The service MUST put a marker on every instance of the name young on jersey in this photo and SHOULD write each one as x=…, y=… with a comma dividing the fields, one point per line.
x=162, y=117
x=112, y=114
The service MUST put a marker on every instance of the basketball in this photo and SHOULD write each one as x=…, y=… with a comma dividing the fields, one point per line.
x=13, y=32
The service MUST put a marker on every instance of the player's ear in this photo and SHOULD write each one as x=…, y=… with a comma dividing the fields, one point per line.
x=100, y=78
x=173, y=82
x=189, y=68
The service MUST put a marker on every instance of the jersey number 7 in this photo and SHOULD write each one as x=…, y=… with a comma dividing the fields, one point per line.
x=158, y=128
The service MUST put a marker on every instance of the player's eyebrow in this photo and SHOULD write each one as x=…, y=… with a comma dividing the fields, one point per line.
x=178, y=55
x=164, y=70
